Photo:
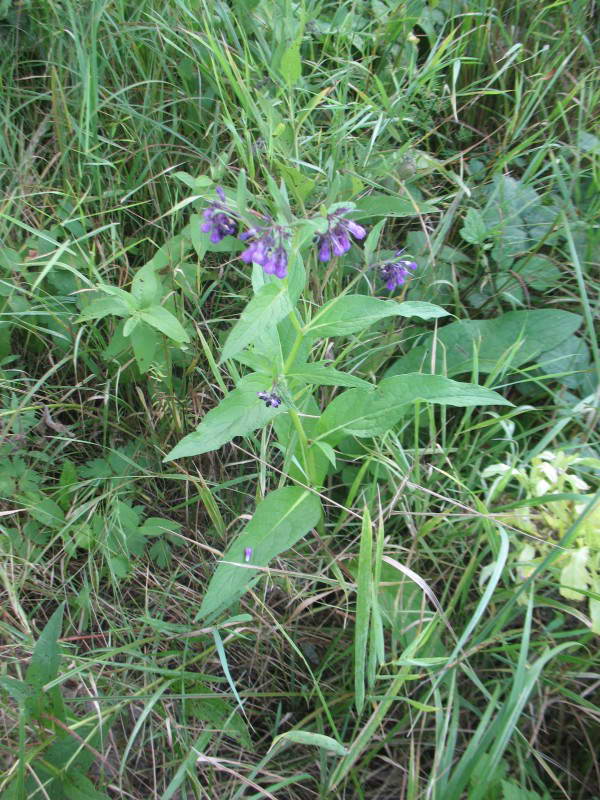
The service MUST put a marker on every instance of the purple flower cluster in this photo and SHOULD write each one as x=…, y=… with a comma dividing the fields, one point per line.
x=395, y=271
x=267, y=248
x=270, y=399
x=336, y=240
x=218, y=220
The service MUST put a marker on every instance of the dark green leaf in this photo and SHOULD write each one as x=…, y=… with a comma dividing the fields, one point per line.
x=44, y=664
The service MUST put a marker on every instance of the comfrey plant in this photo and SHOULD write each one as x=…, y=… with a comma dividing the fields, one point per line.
x=274, y=343
x=559, y=497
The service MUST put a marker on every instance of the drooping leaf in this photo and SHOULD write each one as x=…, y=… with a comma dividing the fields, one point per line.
x=280, y=520
x=268, y=307
x=367, y=413
x=311, y=739
x=354, y=312
x=102, y=307
x=533, y=332
x=238, y=414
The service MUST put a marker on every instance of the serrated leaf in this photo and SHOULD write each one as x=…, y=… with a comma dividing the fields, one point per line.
x=474, y=229
x=351, y=313
x=238, y=414
x=367, y=413
x=268, y=307
x=165, y=322
x=160, y=553
x=511, y=791
x=280, y=520
x=158, y=526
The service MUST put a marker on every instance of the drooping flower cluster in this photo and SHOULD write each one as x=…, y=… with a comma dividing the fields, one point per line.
x=395, y=271
x=336, y=240
x=270, y=399
x=267, y=248
x=218, y=219
x=267, y=245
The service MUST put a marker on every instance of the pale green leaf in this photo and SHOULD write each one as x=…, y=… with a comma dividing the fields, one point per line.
x=312, y=739
x=574, y=575
x=268, y=307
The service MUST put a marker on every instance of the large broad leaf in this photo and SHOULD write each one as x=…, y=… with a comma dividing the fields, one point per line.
x=367, y=413
x=353, y=312
x=532, y=332
x=238, y=414
x=270, y=305
x=280, y=520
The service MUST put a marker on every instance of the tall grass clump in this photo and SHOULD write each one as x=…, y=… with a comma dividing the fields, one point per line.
x=299, y=376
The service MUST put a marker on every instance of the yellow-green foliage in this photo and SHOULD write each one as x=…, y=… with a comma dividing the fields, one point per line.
x=546, y=522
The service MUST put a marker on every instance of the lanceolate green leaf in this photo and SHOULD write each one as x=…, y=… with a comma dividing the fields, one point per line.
x=165, y=322
x=238, y=414
x=354, y=312
x=43, y=668
x=268, y=307
x=323, y=375
x=367, y=413
x=280, y=520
